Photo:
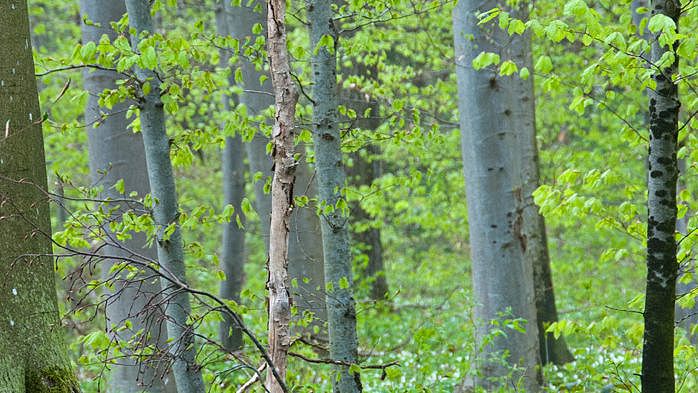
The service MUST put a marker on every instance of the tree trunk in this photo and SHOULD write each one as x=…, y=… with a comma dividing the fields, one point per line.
x=341, y=311
x=278, y=283
x=233, y=255
x=187, y=373
x=365, y=170
x=523, y=118
x=305, y=257
x=116, y=153
x=685, y=317
x=662, y=267
x=305, y=264
x=501, y=272
x=33, y=354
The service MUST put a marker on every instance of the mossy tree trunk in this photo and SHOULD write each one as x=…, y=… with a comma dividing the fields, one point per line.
x=33, y=355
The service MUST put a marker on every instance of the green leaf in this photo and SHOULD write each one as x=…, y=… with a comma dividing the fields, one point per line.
x=544, y=65
x=119, y=186
x=516, y=26
x=355, y=369
x=575, y=7
x=87, y=52
x=524, y=73
x=507, y=68
x=149, y=59
x=485, y=59
x=661, y=22
x=488, y=16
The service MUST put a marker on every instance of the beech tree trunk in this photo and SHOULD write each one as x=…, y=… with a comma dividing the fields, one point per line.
x=502, y=273
x=662, y=267
x=305, y=256
x=233, y=254
x=278, y=283
x=117, y=153
x=186, y=372
x=341, y=313
x=367, y=167
x=33, y=354
x=521, y=103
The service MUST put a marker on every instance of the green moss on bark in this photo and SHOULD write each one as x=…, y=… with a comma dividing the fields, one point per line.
x=53, y=380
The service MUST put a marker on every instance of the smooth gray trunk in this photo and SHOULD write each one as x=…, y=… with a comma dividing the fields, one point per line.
x=502, y=275
x=305, y=257
x=522, y=117
x=233, y=254
x=341, y=313
x=116, y=153
x=186, y=372
x=257, y=98
x=33, y=354
x=367, y=168
x=305, y=242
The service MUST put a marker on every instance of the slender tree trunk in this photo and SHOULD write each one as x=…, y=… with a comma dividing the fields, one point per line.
x=502, y=274
x=257, y=98
x=365, y=170
x=685, y=317
x=341, y=311
x=233, y=256
x=305, y=264
x=662, y=267
x=33, y=355
x=187, y=373
x=278, y=283
x=305, y=257
x=523, y=118
x=117, y=153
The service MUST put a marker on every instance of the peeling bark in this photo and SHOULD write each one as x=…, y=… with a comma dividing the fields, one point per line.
x=278, y=283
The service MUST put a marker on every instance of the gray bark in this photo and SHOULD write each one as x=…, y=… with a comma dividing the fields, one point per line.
x=305, y=257
x=233, y=255
x=257, y=98
x=686, y=317
x=662, y=267
x=116, y=153
x=305, y=243
x=186, y=372
x=33, y=354
x=502, y=275
x=522, y=117
x=341, y=313
x=366, y=168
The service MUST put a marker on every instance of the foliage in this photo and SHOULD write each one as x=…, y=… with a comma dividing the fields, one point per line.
x=590, y=73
